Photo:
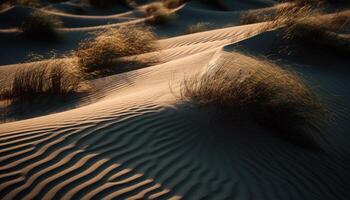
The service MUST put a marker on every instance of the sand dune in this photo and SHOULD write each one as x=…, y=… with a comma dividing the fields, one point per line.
x=131, y=139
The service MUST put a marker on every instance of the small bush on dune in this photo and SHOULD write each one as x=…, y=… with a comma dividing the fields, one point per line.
x=41, y=26
x=53, y=78
x=328, y=33
x=246, y=88
x=199, y=27
x=304, y=24
x=158, y=14
x=103, y=51
x=281, y=15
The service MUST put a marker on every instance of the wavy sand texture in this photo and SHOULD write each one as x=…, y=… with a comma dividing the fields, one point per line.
x=132, y=140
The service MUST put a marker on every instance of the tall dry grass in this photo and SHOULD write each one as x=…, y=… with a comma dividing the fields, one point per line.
x=246, y=88
x=328, y=33
x=102, y=52
x=306, y=24
x=282, y=14
x=42, y=26
x=45, y=79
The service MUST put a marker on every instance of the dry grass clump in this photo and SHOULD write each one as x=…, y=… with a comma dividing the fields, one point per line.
x=307, y=25
x=157, y=14
x=247, y=88
x=331, y=33
x=41, y=26
x=52, y=78
x=102, y=52
x=281, y=15
x=198, y=27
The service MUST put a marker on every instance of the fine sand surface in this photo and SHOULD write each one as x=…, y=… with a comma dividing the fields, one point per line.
x=130, y=138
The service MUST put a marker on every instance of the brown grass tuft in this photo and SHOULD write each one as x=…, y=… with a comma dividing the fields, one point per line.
x=305, y=24
x=103, y=51
x=247, y=88
x=282, y=14
x=40, y=25
x=52, y=78
x=328, y=33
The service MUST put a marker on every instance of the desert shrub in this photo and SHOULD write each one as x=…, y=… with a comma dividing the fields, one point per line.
x=157, y=14
x=245, y=88
x=100, y=53
x=280, y=16
x=52, y=78
x=40, y=25
x=327, y=33
x=306, y=25
x=198, y=27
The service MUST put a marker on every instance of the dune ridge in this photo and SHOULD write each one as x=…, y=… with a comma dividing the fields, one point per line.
x=131, y=139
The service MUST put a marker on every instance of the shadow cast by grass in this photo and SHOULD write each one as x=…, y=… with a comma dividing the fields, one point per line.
x=41, y=26
x=38, y=106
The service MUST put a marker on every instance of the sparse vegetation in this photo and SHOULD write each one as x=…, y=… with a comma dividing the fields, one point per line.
x=247, y=88
x=198, y=27
x=303, y=23
x=328, y=33
x=47, y=78
x=41, y=26
x=158, y=14
x=102, y=52
x=280, y=16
